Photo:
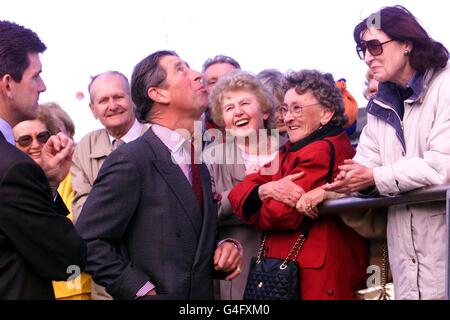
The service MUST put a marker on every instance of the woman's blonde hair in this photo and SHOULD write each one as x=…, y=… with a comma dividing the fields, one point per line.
x=45, y=116
x=58, y=113
x=241, y=80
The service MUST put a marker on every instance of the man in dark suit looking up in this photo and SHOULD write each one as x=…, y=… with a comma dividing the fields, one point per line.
x=149, y=231
x=37, y=242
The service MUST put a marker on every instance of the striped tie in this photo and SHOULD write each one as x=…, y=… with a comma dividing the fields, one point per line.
x=117, y=143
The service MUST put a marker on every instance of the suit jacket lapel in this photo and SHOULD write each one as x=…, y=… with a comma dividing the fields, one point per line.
x=176, y=180
x=209, y=227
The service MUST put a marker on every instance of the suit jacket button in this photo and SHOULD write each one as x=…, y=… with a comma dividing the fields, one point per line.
x=330, y=292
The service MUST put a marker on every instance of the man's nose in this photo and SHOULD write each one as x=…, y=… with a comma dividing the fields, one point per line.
x=42, y=87
x=112, y=105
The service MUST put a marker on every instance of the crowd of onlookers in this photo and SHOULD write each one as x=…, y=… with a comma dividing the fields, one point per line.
x=193, y=173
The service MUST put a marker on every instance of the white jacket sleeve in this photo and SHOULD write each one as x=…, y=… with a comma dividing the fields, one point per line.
x=430, y=165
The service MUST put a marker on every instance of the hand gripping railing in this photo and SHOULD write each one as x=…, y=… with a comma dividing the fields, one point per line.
x=427, y=194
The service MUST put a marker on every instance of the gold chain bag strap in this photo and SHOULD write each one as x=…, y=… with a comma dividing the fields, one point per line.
x=385, y=291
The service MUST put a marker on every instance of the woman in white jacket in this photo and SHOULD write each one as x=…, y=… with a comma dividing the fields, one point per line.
x=405, y=145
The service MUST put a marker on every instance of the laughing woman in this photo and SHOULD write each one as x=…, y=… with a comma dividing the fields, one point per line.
x=333, y=258
x=242, y=105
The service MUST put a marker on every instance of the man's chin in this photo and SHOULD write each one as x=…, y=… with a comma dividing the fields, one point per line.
x=203, y=108
x=198, y=113
x=31, y=115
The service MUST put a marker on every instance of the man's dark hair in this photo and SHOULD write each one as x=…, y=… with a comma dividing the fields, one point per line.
x=16, y=42
x=146, y=74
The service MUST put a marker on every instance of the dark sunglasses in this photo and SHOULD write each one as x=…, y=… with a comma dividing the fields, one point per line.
x=375, y=47
x=26, y=140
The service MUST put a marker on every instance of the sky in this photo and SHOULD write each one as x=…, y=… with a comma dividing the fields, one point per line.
x=86, y=37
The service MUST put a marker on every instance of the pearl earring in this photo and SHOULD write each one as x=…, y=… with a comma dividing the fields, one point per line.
x=406, y=53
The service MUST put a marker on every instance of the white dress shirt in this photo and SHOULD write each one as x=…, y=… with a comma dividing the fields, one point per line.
x=132, y=134
x=6, y=129
x=178, y=146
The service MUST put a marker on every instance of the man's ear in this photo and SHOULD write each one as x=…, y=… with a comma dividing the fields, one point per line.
x=6, y=85
x=94, y=113
x=158, y=95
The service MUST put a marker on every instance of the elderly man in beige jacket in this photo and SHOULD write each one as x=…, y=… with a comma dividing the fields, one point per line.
x=110, y=102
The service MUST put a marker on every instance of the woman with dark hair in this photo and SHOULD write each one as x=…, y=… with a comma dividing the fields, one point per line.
x=405, y=144
x=333, y=258
x=31, y=135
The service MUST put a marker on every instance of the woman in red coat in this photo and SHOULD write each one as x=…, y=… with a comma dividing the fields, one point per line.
x=333, y=259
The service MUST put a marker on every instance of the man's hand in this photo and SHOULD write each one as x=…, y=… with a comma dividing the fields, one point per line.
x=352, y=177
x=56, y=158
x=227, y=258
x=284, y=190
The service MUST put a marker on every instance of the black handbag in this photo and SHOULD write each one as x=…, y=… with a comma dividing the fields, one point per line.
x=275, y=278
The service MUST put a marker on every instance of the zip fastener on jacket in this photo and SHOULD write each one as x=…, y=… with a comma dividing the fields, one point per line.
x=383, y=104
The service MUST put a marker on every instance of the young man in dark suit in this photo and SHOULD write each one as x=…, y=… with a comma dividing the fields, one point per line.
x=37, y=242
x=150, y=219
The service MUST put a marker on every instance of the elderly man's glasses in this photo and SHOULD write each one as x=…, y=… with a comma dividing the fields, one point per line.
x=375, y=47
x=26, y=140
x=295, y=110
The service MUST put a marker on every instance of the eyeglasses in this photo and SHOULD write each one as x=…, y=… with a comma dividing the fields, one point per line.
x=374, y=46
x=26, y=140
x=295, y=110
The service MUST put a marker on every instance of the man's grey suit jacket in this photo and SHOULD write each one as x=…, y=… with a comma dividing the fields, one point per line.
x=142, y=222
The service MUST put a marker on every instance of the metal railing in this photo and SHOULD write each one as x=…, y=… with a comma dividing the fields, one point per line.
x=423, y=195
